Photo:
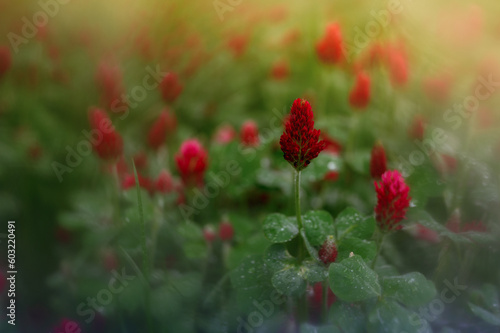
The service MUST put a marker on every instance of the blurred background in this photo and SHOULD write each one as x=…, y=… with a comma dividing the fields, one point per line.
x=224, y=72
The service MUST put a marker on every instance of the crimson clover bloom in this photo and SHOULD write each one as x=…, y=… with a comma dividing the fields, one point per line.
x=393, y=201
x=300, y=141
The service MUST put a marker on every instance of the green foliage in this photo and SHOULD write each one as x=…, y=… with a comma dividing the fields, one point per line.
x=279, y=229
x=351, y=280
x=351, y=223
x=318, y=225
x=411, y=289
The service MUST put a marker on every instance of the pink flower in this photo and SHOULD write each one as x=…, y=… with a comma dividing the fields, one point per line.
x=393, y=201
x=249, y=134
x=300, y=141
x=192, y=162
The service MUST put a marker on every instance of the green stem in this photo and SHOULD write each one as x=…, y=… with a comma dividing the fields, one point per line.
x=297, y=198
x=301, y=249
x=145, y=256
x=380, y=241
x=302, y=302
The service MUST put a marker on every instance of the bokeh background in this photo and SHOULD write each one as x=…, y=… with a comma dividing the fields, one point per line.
x=235, y=68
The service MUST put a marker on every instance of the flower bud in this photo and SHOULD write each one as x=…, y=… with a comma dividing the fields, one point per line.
x=328, y=251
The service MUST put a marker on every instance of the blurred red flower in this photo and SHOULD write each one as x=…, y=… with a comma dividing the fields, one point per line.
x=170, y=87
x=427, y=234
x=67, y=325
x=360, y=93
x=226, y=231
x=5, y=60
x=330, y=48
x=280, y=70
x=437, y=88
x=238, y=44
x=249, y=133
x=110, y=144
x=164, y=183
x=444, y=163
x=332, y=146
x=300, y=141
x=128, y=182
x=316, y=296
x=225, y=134
x=192, y=162
x=109, y=79
x=209, y=234
x=164, y=125
x=397, y=63
x=392, y=201
x=141, y=160
x=417, y=128
x=331, y=176
x=378, y=161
